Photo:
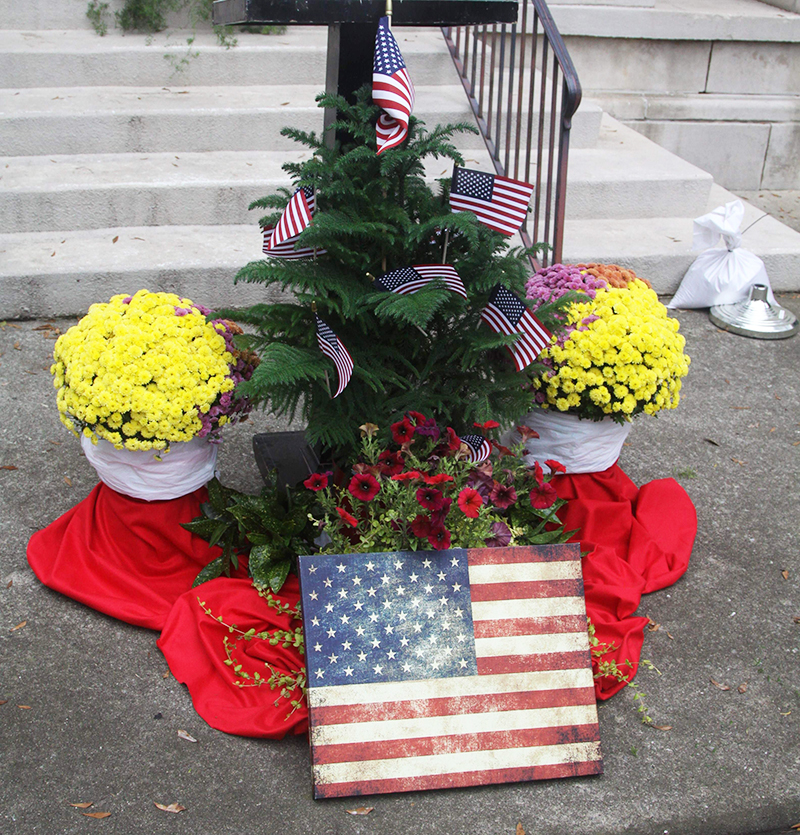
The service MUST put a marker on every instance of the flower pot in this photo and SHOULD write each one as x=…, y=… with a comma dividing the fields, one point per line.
x=140, y=474
x=582, y=446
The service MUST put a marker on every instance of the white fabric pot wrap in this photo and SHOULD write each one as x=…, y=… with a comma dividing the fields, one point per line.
x=721, y=275
x=139, y=474
x=582, y=446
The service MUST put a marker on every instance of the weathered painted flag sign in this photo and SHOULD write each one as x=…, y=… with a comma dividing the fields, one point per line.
x=451, y=668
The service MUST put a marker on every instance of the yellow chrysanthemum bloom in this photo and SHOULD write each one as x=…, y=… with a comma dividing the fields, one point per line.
x=142, y=371
x=625, y=357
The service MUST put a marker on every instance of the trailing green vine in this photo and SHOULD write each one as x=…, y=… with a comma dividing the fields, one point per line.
x=291, y=684
x=609, y=667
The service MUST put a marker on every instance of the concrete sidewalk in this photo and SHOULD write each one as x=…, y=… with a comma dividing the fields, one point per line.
x=102, y=712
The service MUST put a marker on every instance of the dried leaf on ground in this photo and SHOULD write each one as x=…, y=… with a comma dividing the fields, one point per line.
x=115, y=239
x=24, y=707
x=3, y=701
x=9, y=467
x=9, y=584
x=186, y=735
x=742, y=688
x=67, y=481
x=173, y=807
x=18, y=626
x=519, y=830
x=796, y=826
x=652, y=626
x=98, y=815
x=360, y=810
x=17, y=346
x=717, y=684
x=796, y=618
x=785, y=574
x=661, y=727
x=82, y=805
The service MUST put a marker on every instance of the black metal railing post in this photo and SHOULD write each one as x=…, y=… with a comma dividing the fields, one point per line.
x=551, y=84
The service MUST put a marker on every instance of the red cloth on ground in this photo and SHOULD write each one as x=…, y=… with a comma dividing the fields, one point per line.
x=639, y=540
x=192, y=643
x=128, y=558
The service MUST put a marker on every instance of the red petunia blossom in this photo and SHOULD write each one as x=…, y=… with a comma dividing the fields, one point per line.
x=503, y=495
x=428, y=429
x=438, y=516
x=430, y=498
x=439, y=539
x=417, y=417
x=470, y=502
x=402, y=431
x=543, y=496
x=410, y=475
x=453, y=441
x=526, y=433
x=346, y=517
x=364, y=486
x=421, y=526
x=391, y=463
x=439, y=478
x=538, y=473
x=486, y=425
x=504, y=450
x=555, y=466
x=317, y=481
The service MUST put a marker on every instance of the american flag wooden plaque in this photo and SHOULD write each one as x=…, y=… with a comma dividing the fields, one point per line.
x=440, y=669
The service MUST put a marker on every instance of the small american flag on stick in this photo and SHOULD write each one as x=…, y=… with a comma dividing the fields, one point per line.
x=478, y=448
x=498, y=202
x=450, y=668
x=295, y=218
x=505, y=313
x=410, y=279
x=392, y=89
x=330, y=345
x=288, y=249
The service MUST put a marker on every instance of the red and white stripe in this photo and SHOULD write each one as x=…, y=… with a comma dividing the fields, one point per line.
x=446, y=272
x=287, y=249
x=529, y=714
x=295, y=218
x=507, y=209
x=532, y=339
x=395, y=95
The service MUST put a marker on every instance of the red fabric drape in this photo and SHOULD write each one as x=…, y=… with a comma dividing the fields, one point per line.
x=639, y=541
x=128, y=558
x=192, y=643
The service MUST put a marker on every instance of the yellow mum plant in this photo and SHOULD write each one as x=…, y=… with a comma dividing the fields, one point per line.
x=147, y=370
x=620, y=355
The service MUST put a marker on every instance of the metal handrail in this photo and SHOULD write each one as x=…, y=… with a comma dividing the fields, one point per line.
x=534, y=87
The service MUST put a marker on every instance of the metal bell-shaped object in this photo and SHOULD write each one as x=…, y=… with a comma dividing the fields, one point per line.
x=755, y=317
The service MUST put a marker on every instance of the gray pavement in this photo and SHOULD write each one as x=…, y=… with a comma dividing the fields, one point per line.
x=103, y=713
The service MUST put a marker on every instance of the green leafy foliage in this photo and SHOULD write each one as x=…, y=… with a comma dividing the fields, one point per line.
x=272, y=528
x=427, y=351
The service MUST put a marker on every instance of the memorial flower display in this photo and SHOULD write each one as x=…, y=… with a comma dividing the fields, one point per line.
x=147, y=370
x=620, y=354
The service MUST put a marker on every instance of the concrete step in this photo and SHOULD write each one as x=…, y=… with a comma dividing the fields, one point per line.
x=98, y=120
x=62, y=273
x=625, y=176
x=660, y=249
x=79, y=58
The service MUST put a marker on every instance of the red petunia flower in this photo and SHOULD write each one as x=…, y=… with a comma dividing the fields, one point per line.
x=430, y=498
x=346, y=517
x=364, y=486
x=410, y=475
x=439, y=478
x=317, y=481
x=503, y=495
x=503, y=450
x=555, y=466
x=438, y=516
x=402, y=431
x=421, y=526
x=439, y=539
x=543, y=496
x=527, y=433
x=470, y=502
x=417, y=417
x=538, y=473
x=391, y=463
x=428, y=429
x=453, y=441
x=486, y=425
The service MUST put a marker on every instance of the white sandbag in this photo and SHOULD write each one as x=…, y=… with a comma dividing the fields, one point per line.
x=138, y=473
x=721, y=275
x=582, y=446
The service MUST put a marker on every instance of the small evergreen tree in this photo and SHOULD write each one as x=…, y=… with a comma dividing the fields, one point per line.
x=426, y=352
